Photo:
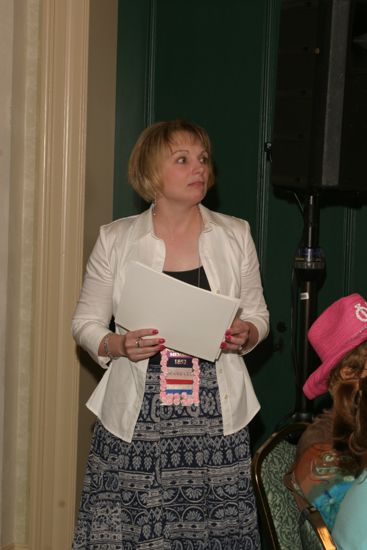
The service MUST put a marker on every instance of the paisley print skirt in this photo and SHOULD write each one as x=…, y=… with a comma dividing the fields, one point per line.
x=179, y=485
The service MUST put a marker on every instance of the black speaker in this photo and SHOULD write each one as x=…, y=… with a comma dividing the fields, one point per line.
x=320, y=121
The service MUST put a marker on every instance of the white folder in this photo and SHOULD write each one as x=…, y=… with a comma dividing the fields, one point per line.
x=191, y=320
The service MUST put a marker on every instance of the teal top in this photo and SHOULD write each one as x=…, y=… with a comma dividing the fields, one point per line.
x=328, y=503
x=350, y=528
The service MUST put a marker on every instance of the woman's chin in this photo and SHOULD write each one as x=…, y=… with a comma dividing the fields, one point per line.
x=199, y=192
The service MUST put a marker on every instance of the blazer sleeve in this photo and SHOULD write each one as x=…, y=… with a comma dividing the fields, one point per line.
x=93, y=312
x=253, y=305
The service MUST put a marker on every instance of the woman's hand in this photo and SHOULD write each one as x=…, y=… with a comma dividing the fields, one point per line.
x=134, y=345
x=137, y=346
x=240, y=336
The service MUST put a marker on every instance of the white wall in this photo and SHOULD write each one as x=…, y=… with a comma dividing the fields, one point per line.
x=19, y=42
x=6, y=61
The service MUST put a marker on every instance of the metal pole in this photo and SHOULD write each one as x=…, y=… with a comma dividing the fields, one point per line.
x=309, y=265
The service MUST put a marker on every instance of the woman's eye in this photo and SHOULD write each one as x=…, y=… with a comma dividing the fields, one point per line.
x=181, y=160
x=204, y=160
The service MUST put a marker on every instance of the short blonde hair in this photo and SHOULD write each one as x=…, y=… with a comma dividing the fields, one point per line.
x=144, y=162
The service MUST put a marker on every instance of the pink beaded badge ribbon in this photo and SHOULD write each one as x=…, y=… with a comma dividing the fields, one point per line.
x=179, y=379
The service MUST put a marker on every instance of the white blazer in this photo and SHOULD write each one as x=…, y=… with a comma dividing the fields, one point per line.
x=229, y=258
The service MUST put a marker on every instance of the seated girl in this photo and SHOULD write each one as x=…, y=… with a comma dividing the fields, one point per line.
x=332, y=453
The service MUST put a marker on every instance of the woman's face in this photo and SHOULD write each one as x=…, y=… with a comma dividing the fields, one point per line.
x=184, y=171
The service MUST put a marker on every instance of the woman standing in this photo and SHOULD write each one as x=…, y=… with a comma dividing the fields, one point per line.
x=170, y=472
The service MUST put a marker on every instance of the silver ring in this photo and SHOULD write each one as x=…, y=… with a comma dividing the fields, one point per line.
x=137, y=342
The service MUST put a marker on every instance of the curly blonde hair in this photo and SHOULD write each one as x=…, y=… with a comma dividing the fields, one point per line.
x=145, y=158
x=349, y=390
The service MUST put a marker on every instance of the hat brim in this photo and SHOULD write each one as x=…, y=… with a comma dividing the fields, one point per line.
x=317, y=383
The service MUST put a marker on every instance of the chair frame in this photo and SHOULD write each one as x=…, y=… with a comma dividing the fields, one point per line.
x=307, y=511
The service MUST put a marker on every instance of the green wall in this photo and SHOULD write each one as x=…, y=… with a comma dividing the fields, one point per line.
x=214, y=62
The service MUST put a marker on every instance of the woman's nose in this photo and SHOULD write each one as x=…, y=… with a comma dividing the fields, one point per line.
x=199, y=167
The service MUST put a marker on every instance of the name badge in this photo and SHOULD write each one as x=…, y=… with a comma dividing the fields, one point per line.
x=179, y=379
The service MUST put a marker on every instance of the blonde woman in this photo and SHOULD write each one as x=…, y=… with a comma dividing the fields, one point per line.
x=170, y=470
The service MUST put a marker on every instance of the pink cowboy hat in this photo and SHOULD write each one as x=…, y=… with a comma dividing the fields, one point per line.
x=339, y=329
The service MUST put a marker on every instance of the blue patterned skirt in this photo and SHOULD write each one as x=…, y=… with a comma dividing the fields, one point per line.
x=179, y=485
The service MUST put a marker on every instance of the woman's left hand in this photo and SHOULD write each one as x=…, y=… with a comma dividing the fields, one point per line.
x=240, y=336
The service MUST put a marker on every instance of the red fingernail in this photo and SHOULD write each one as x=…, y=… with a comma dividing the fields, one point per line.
x=228, y=333
x=155, y=331
x=228, y=337
x=223, y=345
x=161, y=340
x=161, y=348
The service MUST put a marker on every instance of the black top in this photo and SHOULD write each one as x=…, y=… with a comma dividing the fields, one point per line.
x=194, y=277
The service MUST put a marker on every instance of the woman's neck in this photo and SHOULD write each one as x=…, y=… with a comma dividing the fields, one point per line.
x=180, y=230
x=176, y=220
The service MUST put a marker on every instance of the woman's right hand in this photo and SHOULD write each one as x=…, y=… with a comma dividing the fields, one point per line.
x=135, y=345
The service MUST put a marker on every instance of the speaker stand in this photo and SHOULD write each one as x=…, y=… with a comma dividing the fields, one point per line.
x=309, y=266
